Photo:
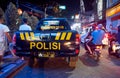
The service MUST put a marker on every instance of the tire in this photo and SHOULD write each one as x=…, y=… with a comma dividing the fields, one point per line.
x=117, y=53
x=42, y=61
x=97, y=55
x=31, y=61
x=110, y=50
x=72, y=61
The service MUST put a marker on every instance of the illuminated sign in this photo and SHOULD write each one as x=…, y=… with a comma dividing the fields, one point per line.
x=100, y=8
x=51, y=27
x=112, y=11
x=62, y=7
x=31, y=36
x=42, y=45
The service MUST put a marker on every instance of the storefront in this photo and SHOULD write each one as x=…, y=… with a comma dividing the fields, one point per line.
x=113, y=17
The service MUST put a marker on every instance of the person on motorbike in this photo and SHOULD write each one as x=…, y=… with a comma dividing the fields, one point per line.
x=96, y=37
x=115, y=36
x=114, y=40
x=118, y=34
x=87, y=39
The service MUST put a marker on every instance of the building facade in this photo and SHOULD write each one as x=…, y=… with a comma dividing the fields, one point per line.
x=112, y=15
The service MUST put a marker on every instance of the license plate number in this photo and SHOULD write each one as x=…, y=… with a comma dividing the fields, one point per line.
x=47, y=54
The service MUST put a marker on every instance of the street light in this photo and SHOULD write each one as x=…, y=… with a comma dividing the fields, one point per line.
x=62, y=7
x=50, y=7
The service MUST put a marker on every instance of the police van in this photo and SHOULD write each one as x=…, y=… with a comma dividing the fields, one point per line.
x=53, y=37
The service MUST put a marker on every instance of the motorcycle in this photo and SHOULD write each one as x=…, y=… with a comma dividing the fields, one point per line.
x=114, y=49
x=96, y=51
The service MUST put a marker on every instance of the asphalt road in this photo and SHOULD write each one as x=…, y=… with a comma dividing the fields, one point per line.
x=87, y=67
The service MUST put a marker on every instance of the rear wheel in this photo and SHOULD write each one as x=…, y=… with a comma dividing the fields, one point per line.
x=97, y=55
x=72, y=61
x=118, y=53
x=110, y=50
x=41, y=61
x=31, y=61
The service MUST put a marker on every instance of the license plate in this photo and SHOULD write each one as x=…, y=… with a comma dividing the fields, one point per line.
x=47, y=54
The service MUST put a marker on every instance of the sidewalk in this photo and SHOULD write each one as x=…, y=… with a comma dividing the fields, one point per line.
x=10, y=64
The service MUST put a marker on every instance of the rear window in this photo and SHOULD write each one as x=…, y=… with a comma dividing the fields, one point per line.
x=53, y=25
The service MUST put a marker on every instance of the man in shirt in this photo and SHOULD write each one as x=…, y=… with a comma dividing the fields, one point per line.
x=25, y=25
x=96, y=37
x=3, y=32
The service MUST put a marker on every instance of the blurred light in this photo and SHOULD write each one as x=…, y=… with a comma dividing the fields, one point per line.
x=75, y=25
x=62, y=7
x=19, y=11
x=77, y=16
x=72, y=17
x=67, y=43
x=112, y=11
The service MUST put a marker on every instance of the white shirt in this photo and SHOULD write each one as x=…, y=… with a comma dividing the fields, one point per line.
x=3, y=29
x=25, y=27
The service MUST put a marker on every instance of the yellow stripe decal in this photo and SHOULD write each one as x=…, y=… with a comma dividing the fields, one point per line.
x=22, y=36
x=27, y=36
x=63, y=36
x=69, y=36
x=57, y=36
x=32, y=36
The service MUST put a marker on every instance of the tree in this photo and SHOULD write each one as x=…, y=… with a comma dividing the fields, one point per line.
x=11, y=17
x=25, y=15
x=34, y=22
x=1, y=11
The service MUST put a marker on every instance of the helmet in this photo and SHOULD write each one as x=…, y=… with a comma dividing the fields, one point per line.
x=99, y=26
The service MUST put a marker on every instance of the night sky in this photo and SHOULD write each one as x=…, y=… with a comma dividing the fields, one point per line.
x=72, y=6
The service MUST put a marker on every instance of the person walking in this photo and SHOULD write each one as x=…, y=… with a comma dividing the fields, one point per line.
x=4, y=31
x=25, y=26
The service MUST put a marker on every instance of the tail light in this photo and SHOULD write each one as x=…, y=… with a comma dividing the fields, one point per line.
x=14, y=38
x=14, y=43
x=77, y=40
x=99, y=47
x=106, y=35
x=96, y=28
x=114, y=48
x=77, y=51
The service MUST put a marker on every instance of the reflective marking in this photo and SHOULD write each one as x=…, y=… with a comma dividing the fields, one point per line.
x=63, y=36
x=32, y=36
x=69, y=36
x=27, y=36
x=22, y=36
x=57, y=36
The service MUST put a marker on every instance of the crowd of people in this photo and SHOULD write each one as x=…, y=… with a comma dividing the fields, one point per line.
x=4, y=32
